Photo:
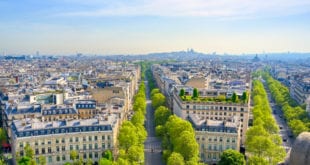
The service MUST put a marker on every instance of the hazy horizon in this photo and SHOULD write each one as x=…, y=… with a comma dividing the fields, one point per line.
x=141, y=27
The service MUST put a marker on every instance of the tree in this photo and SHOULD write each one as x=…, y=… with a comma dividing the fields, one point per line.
x=154, y=91
x=2, y=162
x=162, y=114
x=232, y=157
x=136, y=154
x=24, y=160
x=29, y=151
x=158, y=100
x=195, y=93
x=244, y=96
x=182, y=93
x=175, y=159
x=127, y=135
x=186, y=145
x=234, y=98
x=89, y=162
x=105, y=161
x=42, y=160
x=107, y=154
x=138, y=118
x=297, y=127
x=73, y=155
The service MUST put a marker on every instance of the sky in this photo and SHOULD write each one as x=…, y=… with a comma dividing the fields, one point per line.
x=110, y=27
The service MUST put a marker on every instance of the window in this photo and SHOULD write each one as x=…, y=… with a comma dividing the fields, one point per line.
x=89, y=138
x=215, y=147
x=103, y=137
x=57, y=148
x=36, y=143
x=96, y=146
x=21, y=153
x=50, y=159
x=21, y=145
x=63, y=157
x=209, y=147
x=241, y=109
x=233, y=140
x=103, y=146
x=228, y=140
x=71, y=147
x=214, y=155
x=90, y=155
x=221, y=139
x=49, y=150
x=77, y=147
x=109, y=137
x=63, y=148
x=76, y=139
x=90, y=146
x=84, y=146
x=187, y=106
x=96, y=138
x=43, y=151
x=63, y=140
x=49, y=142
x=71, y=139
x=37, y=151
x=84, y=156
x=84, y=138
x=57, y=141
x=96, y=154
x=58, y=158
x=227, y=147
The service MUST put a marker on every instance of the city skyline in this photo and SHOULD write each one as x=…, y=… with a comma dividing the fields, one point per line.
x=140, y=27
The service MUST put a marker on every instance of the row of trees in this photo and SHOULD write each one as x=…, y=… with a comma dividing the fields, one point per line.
x=296, y=117
x=132, y=133
x=263, y=144
x=28, y=158
x=177, y=135
x=234, y=98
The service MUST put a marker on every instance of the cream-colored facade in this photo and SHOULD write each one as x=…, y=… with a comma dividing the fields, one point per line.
x=54, y=141
x=213, y=111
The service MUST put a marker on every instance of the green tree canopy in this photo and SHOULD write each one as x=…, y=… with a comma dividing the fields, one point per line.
x=158, y=100
x=234, y=98
x=231, y=157
x=182, y=92
x=162, y=114
x=154, y=91
x=195, y=93
x=175, y=159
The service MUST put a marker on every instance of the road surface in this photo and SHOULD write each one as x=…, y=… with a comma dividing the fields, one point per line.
x=285, y=133
x=152, y=145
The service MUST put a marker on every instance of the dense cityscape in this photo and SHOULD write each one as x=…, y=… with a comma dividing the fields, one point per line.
x=155, y=82
x=112, y=110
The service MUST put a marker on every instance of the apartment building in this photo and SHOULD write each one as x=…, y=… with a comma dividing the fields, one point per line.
x=300, y=89
x=214, y=136
x=213, y=110
x=54, y=140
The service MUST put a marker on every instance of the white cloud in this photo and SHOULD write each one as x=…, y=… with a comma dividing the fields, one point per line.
x=202, y=8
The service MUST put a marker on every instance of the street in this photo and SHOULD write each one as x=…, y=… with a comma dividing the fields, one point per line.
x=152, y=145
x=285, y=133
